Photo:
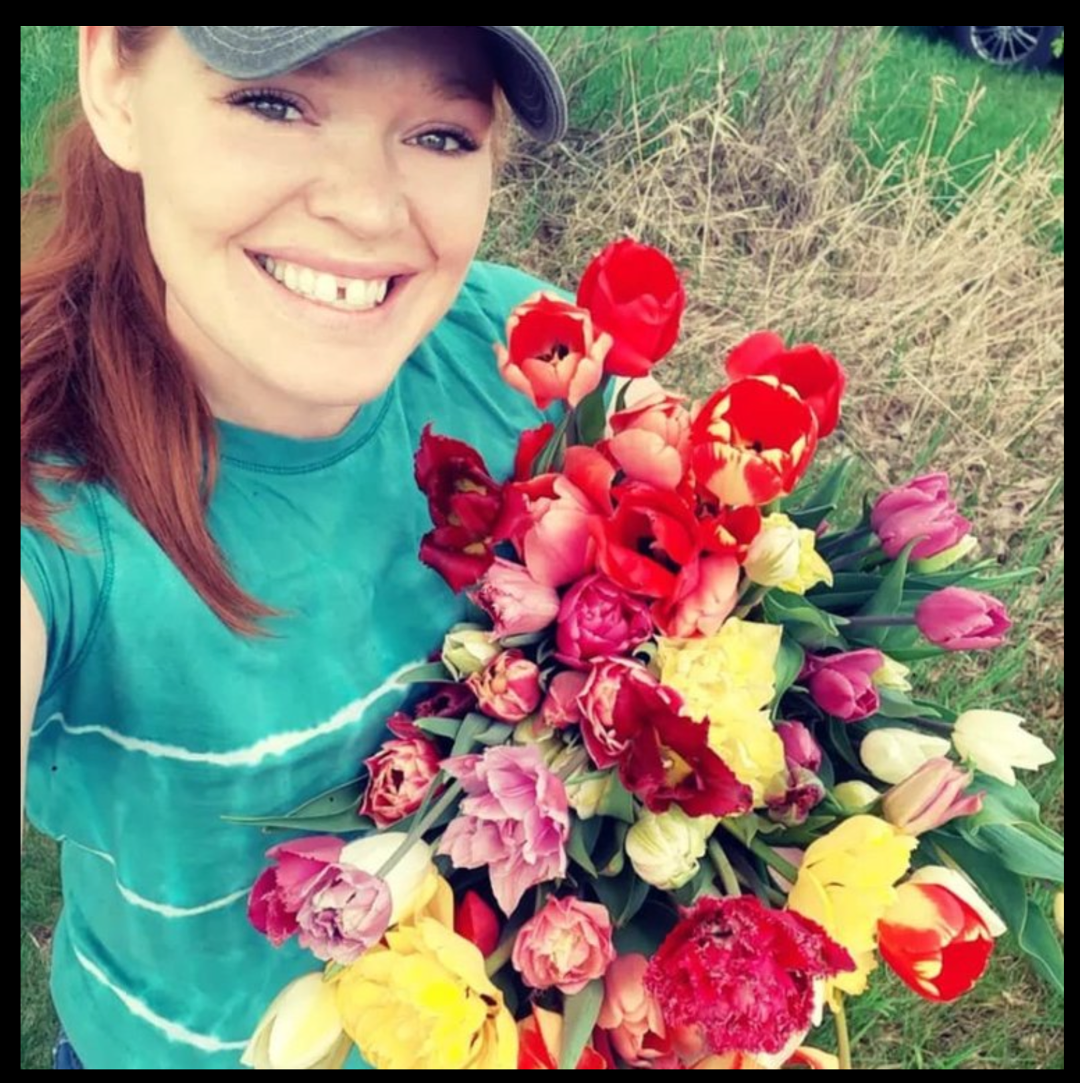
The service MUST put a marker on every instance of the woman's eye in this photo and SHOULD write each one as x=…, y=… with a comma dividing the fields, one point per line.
x=446, y=142
x=271, y=107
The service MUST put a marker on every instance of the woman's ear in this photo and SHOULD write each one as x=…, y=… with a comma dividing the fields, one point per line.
x=105, y=88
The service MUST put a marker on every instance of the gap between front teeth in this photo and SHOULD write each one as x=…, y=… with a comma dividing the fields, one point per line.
x=354, y=295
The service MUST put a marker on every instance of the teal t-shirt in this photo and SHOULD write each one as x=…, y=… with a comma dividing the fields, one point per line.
x=156, y=720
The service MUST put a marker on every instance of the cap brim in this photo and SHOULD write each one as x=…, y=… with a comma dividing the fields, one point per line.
x=527, y=76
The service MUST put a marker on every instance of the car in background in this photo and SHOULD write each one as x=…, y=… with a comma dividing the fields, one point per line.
x=1008, y=46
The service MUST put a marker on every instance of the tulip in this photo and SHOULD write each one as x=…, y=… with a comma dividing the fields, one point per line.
x=939, y=935
x=932, y=797
x=856, y=797
x=959, y=619
x=921, y=511
x=894, y=755
x=843, y=685
x=467, y=649
x=666, y=849
x=301, y=1030
x=515, y=601
x=997, y=744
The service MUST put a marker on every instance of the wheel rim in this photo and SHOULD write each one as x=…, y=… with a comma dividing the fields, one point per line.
x=1006, y=44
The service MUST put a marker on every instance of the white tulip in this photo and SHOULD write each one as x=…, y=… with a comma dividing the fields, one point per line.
x=666, y=849
x=997, y=744
x=895, y=755
x=302, y=1029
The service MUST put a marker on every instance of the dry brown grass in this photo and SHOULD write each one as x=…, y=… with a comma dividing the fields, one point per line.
x=949, y=314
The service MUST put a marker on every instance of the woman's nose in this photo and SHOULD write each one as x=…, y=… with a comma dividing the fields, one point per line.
x=360, y=186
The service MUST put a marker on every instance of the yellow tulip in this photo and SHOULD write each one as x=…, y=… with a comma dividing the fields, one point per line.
x=730, y=679
x=1059, y=911
x=847, y=884
x=423, y=1001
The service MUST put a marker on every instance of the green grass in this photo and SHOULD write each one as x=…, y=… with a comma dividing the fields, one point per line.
x=40, y=895
x=48, y=58
x=920, y=89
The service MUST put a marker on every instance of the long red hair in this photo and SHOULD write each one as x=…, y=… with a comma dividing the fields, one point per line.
x=106, y=396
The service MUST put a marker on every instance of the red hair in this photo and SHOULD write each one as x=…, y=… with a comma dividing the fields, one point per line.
x=106, y=396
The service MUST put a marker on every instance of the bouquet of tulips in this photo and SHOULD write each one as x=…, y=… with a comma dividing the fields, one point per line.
x=673, y=793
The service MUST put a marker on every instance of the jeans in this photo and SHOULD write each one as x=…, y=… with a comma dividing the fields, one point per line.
x=65, y=1056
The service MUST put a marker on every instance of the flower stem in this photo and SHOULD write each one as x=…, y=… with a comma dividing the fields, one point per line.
x=551, y=458
x=853, y=560
x=767, y=855
x=936, y=726
x=726, y=870
x=835, y=543
x=897, y=621
x=502, y=955
x=752, y=596
x=843, y=1033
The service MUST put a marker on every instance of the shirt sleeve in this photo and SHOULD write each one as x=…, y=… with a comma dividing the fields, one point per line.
x=67, y=579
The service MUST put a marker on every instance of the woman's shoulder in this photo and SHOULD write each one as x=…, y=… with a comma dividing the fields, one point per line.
x=68, y=568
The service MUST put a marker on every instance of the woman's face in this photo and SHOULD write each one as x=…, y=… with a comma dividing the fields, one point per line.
x=312, y=228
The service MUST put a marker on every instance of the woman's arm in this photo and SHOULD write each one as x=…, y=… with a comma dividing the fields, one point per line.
x=32, y=650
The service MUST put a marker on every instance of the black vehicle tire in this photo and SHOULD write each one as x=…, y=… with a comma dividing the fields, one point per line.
x=1021, y=47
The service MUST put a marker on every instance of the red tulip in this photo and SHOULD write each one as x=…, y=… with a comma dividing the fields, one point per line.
x=652, y=535
x=553, y=352
x=465, y=504
x=479, y=923
x=818, y=377
x=541, y=1042
x=753, y=442
x=635, y=294
x=939, y=935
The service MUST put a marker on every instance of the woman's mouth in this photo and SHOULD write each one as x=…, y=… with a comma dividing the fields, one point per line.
x=333, y=291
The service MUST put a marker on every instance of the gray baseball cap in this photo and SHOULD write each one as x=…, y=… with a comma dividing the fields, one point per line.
x=523, y=70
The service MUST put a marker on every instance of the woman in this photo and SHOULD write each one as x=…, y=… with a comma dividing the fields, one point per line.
x=260, y=287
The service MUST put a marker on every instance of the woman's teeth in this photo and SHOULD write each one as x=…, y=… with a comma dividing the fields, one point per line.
x=354, y=295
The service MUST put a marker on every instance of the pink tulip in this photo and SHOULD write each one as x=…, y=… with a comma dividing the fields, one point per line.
x=566, y=946
x=514, y=821
x=400, y=774
x=549, y=519
x=599, y=619
x=508, y=688
x=348, y=913
x=281, y=891
x=652, y=441
x=800, y=746
x=514, y=600
x=706, y=595
x=843, y=685
x=935, y=795
x=561, y=708
x=959, y=619
x=632, y=1017
x=920, y=510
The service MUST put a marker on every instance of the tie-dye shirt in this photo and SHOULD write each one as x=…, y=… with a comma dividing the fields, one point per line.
x=156, y=721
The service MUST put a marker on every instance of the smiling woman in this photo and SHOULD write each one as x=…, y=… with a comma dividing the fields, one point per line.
x=259, y=286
